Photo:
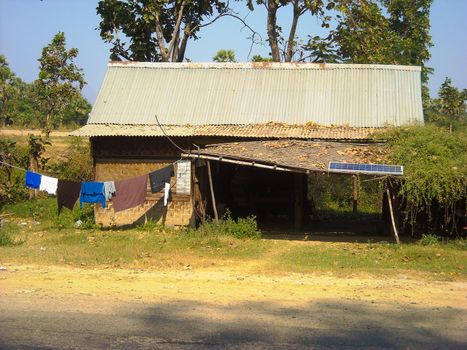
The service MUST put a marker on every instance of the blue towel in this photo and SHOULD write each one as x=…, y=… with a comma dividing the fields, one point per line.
x=33, y=180
x=92, y=192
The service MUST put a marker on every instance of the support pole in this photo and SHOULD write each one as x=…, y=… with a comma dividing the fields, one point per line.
x=213, y=197
x=396, y=235
x=354, y=193
x=298, y=201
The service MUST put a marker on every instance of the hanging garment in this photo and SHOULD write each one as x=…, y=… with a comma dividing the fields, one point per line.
x=48, y=184
x=92, y=192
x=109, y=190
x=32, y=180
x=159, y=177
x=130, y=193
x=67, y=194
x=166, y=193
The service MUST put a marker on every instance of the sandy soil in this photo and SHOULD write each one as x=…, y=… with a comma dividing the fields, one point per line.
x=219, y=307
x=224, y=285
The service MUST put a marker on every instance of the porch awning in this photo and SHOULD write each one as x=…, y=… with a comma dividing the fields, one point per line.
x=292, y=155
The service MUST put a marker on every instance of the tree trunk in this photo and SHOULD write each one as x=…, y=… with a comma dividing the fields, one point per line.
x=272, y=31
x=293, y=29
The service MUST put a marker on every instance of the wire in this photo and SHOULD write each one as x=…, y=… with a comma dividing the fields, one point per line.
x=165, y=134
x=12, y=166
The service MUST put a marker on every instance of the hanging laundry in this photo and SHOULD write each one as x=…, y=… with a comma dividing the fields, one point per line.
x=166, y=193
x=67, y=194
x=159, y=177
x=109, y=189
x=32, y=180
x=92, y=192
x=130, y=192
x=48, y=184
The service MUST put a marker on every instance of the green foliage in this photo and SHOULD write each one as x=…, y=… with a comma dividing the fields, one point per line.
x=44, y=211
x=12, y=187
x=60, y=81
x=428, y=239
x=224, y=56
x=435, y=168
x=6, y=239
x=259, y=58
x=449, y=109
x=76, y=163
x=334, y=193
x=141, y=30
x=19, y=103
x=241, y=228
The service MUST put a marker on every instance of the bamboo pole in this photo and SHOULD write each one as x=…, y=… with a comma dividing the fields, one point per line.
x=213, y=197
x=396, y=235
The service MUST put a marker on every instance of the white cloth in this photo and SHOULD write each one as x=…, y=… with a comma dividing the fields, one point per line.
x=109, y=190
x=166, y=193
x=48, y=184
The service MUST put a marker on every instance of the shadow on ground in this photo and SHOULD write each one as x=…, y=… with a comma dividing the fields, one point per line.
x=324, y=324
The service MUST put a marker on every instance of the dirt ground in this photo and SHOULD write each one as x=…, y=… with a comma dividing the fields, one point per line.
x=63, y=307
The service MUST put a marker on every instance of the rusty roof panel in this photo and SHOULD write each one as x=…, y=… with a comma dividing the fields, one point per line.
x=270, y=130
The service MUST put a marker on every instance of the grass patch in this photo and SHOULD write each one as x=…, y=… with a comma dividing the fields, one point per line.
x=450, y=258
x=48, y=239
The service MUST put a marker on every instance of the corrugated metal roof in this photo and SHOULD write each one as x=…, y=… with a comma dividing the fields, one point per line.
x=269, y=130
x=258, y=93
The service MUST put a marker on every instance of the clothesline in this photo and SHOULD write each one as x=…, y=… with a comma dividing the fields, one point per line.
x=12, y=166
x=25, y=170
x=124, y=193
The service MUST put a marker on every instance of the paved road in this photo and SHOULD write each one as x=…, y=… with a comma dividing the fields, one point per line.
x=31, y=321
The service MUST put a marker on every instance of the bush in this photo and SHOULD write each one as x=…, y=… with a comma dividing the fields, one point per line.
x=241, y=228
x=5, y=238
x=435, y=168
x=76, y=163
x=428, y=239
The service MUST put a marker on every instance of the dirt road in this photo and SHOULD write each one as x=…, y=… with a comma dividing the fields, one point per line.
x=59, y=307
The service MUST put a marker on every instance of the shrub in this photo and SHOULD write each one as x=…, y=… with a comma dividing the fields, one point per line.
x=76, y=163
x=241, y=228
x=5, y=238
x=435, y=168
x=428, y=239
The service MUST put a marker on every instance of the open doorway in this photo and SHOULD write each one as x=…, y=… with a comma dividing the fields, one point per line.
x=294, y=205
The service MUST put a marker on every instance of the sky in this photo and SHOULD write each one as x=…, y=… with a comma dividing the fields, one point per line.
x=26, y=26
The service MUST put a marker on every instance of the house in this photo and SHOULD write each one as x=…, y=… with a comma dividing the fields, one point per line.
x=247, y=134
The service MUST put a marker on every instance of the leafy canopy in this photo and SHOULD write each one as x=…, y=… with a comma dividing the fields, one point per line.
x=60, y=81
x=154, y=30
x=224, y=56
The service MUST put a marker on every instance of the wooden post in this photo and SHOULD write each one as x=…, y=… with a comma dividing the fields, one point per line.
x=354, y=193
x=394, y=228
x=213, y=197
x=298, y=201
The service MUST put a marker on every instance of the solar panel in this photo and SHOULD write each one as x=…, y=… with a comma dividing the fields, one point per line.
x=355, y=168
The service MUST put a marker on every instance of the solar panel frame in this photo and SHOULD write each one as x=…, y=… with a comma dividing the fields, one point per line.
x=370, y=169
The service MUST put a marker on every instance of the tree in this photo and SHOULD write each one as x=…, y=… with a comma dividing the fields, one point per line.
x=157, y=30
x=285, y=49
x=224, y=56
x=452, y=100
x=449, y=110
x=9, y=90
x=60, y=81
